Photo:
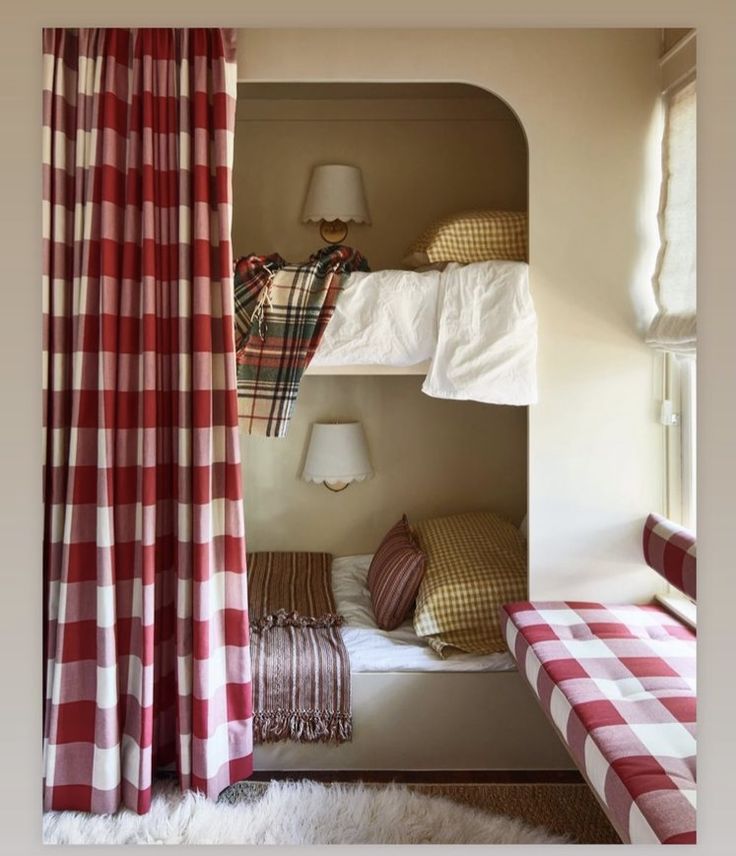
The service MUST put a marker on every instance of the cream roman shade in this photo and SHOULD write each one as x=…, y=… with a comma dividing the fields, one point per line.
x=674, y=328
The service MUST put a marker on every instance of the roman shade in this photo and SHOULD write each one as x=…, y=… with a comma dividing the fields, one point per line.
x=674, y=328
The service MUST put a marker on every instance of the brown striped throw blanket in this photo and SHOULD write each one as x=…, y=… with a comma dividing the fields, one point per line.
x=281, y=312
x=301, y=669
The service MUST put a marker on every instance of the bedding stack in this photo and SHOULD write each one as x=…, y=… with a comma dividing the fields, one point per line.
x=475, y=323
x=453, y=574
x=465, y=306
x=301, y=669
x=373, y=649
x=427, y=601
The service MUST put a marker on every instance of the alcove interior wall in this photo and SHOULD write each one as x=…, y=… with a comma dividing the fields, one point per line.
x=425, y=151
x=430, y=458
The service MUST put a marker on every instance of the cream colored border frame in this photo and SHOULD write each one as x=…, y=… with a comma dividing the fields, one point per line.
x=20, y=339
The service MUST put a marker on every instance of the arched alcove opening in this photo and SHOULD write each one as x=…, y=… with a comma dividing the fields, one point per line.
x=426, y=151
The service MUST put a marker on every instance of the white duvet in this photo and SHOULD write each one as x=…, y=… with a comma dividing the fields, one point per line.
x=475, y=322
x=386, y=318
x=487, y=335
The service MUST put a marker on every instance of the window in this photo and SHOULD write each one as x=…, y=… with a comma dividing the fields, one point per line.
x=688, y=437
x=679, y=417
x=673, y=329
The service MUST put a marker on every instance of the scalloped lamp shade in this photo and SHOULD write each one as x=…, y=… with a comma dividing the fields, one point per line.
x=336, y=193
x=337, y=454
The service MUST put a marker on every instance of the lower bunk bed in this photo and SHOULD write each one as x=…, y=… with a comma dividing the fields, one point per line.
x=413, y=710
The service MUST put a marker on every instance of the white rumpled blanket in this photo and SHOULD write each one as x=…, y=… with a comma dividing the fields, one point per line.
x=487, y=335
x=386, y=318
x=475, y=322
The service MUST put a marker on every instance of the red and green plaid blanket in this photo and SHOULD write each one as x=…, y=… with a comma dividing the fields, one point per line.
x=281, y=312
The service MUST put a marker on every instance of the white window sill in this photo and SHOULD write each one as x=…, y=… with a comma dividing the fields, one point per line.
x=680, y=606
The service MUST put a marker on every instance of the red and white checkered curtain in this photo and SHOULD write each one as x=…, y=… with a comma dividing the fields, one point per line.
x=145, y=592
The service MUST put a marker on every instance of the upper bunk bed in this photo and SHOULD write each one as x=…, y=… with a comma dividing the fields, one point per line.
x=463, y=318
x=415, y=154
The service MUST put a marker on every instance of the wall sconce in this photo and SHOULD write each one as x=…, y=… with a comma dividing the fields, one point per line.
x=337, y=455
x=334, y=197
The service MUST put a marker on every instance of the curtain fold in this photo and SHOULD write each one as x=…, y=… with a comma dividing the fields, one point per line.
x=146, y=630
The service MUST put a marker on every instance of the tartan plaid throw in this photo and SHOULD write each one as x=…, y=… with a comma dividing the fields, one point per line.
x=281, y=312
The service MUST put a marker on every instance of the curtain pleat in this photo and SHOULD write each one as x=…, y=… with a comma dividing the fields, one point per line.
x=146, y=631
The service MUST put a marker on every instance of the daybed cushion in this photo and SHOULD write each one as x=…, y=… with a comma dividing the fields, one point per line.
x=670, y=550
x=618, y=682
x=394, y=576
x=475, y=562
x=472, y=236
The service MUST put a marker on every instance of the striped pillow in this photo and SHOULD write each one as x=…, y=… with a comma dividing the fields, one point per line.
x=670, y=550
x=394, y=576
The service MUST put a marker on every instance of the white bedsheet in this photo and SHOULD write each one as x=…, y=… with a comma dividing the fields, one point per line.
x=487, y=335
x=400, y=650
x=388, y=317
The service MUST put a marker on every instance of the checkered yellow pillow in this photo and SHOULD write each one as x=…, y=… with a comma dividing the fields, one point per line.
x=475, y=563
x=473, y=236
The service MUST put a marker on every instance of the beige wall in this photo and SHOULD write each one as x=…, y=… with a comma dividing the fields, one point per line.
x=588, y=101
x=421, y=157
x=429, y=456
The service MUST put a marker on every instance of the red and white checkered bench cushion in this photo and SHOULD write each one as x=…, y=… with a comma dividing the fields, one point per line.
x=670, y=550
x=618, y=682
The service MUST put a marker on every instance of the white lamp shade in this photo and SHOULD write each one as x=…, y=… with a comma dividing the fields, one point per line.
x=336, y=193
x=337, y=452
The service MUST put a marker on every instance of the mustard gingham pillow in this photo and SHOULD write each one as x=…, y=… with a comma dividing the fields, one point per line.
x=475, y=563
x=473, y=236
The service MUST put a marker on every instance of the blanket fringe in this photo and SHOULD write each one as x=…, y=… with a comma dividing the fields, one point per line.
x=304, y=726
x=282, y=618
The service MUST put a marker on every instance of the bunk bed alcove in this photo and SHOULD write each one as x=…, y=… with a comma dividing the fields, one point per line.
x=425, y=151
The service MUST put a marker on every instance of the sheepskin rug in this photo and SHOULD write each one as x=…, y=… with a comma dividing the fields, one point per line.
x=296, y=813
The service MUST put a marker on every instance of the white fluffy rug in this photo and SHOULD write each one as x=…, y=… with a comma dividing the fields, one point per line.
x=296, y=813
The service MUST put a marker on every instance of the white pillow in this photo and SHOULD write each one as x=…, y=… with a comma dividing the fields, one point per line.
x=350, y=587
